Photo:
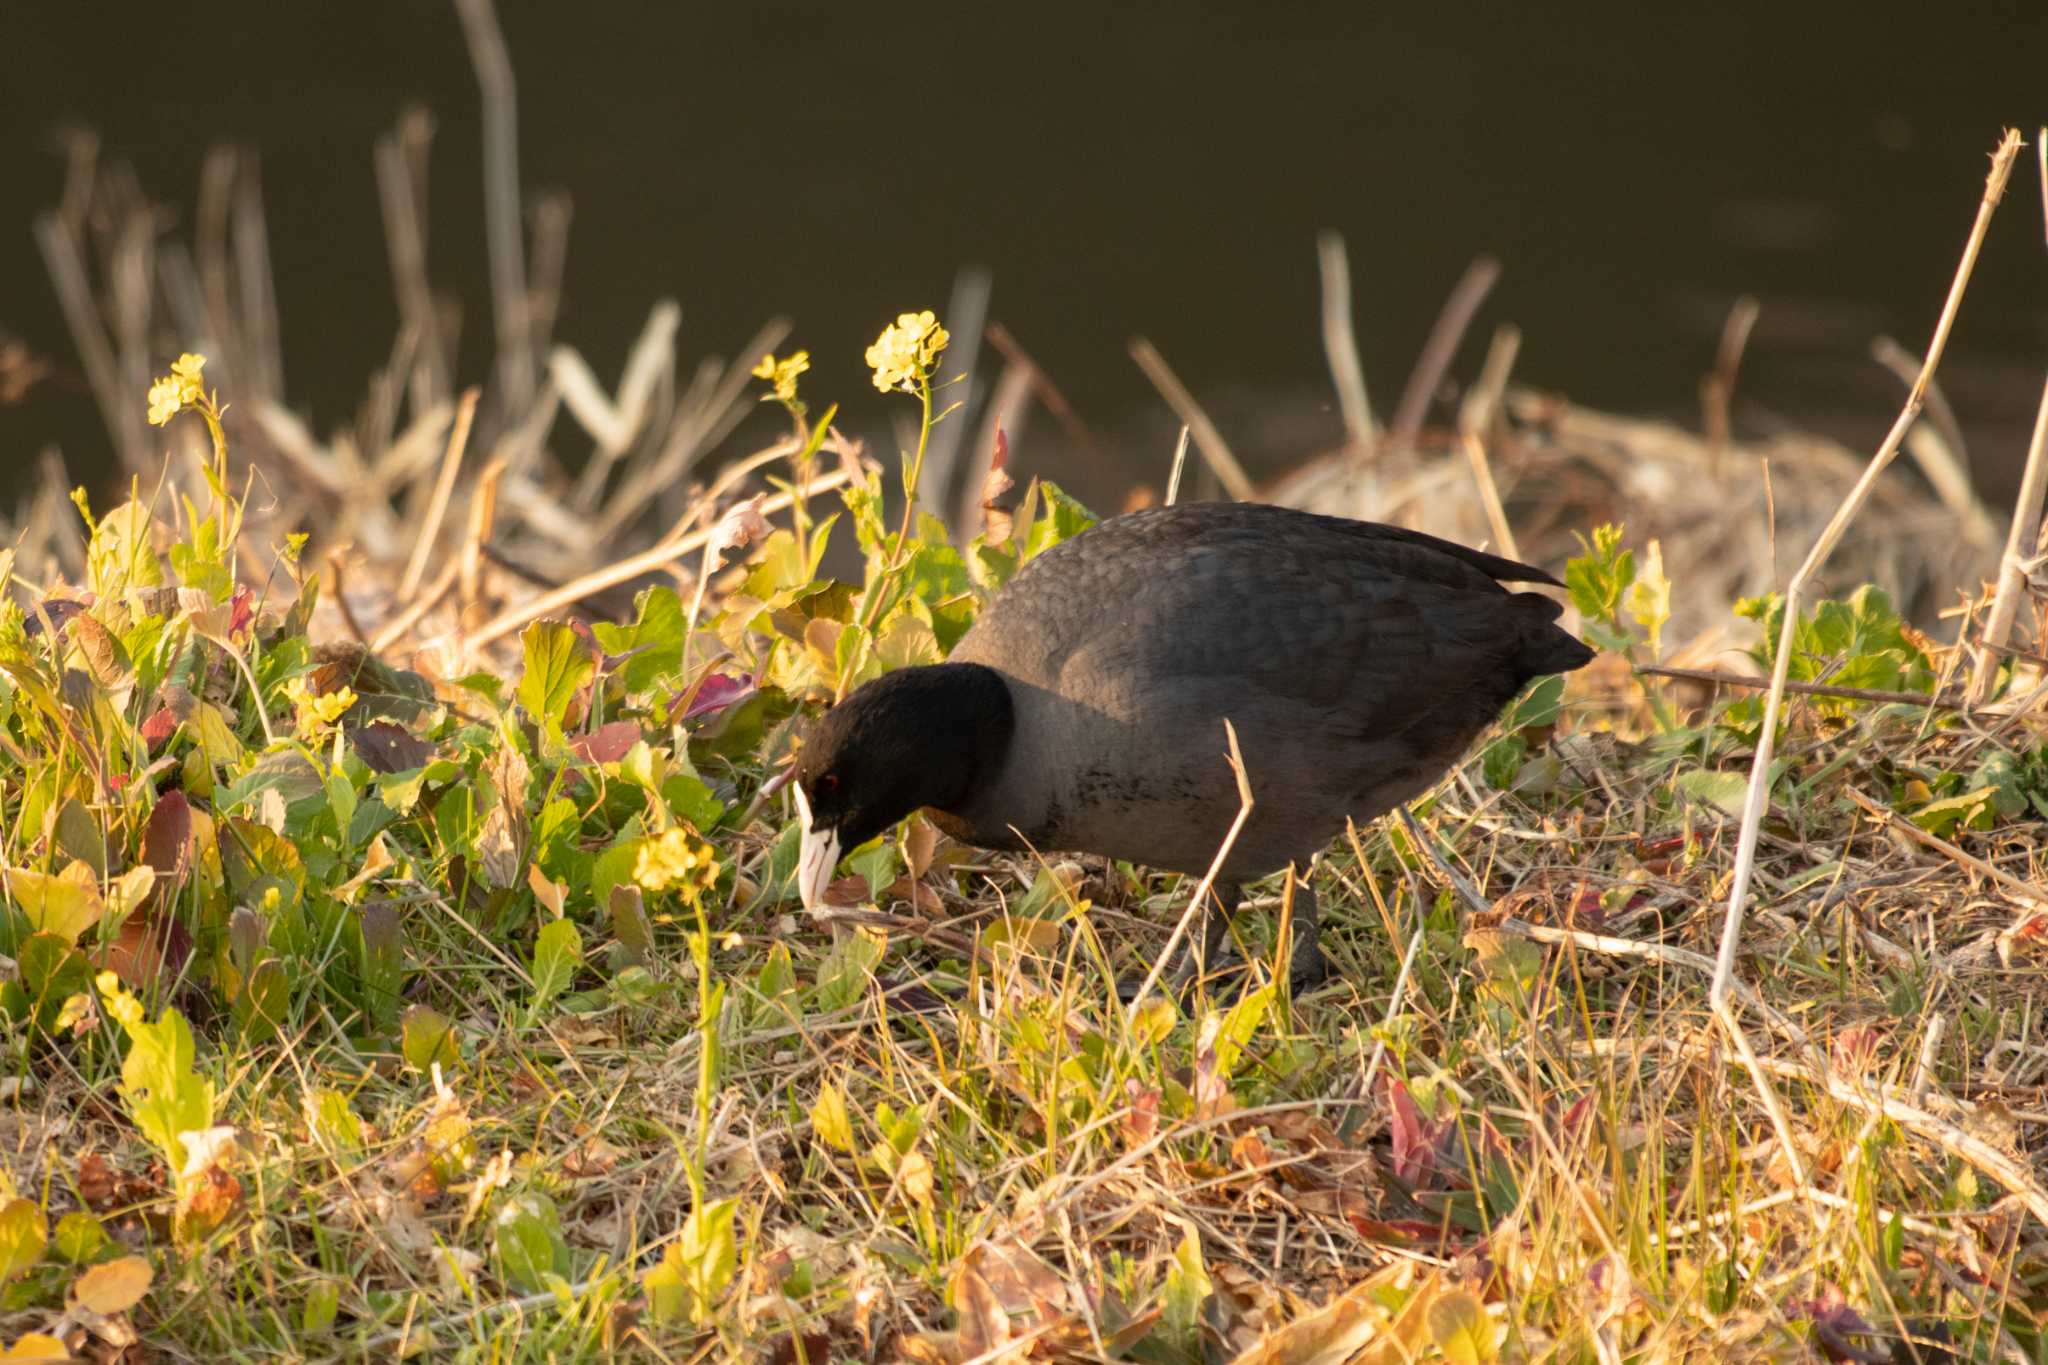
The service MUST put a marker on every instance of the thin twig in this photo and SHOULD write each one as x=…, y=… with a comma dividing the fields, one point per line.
x=597, y=580
x=1757, y=796
x=1717, y=390
x=1475, y=416
x=1198, y=904
x=444, y=489
x=1709, y=675
x=1891, y=819
x=510, y=305
x=1437, y=352
x=2022, y=543
x=1208, y=440
x=1180, y=460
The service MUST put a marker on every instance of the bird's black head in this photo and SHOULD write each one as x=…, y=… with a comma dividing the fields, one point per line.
x=913, y=738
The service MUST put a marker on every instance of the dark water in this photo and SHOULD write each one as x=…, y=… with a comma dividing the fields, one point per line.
x=1121, y=169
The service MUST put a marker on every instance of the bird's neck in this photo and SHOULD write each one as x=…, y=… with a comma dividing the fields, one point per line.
x=965, y=718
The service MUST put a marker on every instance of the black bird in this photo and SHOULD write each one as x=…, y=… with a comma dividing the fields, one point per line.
x=1084, y=712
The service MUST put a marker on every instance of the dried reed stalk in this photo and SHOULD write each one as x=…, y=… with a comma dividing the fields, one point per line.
x=1208, y=440
x=1340, y=344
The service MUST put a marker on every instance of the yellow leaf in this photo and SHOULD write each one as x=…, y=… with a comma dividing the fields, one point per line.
x=829, y=1119
x=63, y=905
x=114, y=1287
x=1461, y=1329
x=36, y=1346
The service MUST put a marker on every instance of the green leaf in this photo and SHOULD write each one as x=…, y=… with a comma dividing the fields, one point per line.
x=80, y=1237
x=333, y=1121
x=527, y=1237
x=1188, y=1287
x=426, y=1037
x=119, y=556
x=1239, y=1025
x=848, y=968
x=555, y=665
x=700, y=1264
x=1726, y=791
x=23, y=1235
x=1971, y=810
x=78, y=834
x=557, y=953
x=323, y=1302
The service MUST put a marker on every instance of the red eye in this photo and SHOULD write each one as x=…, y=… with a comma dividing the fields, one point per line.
x=826, y=784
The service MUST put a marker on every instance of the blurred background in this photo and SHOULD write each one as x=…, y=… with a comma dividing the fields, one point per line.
x=1118, y=170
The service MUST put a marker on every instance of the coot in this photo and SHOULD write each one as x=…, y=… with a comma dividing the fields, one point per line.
x=1084, y=711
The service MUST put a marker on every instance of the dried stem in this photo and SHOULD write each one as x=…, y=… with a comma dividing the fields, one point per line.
x=1437, y=352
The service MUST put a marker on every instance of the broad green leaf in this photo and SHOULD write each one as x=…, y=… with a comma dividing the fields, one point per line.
x=119, y=556
x=557, y=953
x=527, y=1236
x=79, y=1237
x=555, y=665
x=848, y=968
x=1726, y=791
x=426, y=1037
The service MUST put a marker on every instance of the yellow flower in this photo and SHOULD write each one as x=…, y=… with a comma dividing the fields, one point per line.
x=672, y=860
x=178, y=390
x=907, y=350
x=317, y=710
x=782, y=373
x=123, y=1006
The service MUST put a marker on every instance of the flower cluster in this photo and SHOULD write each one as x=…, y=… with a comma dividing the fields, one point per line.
x=907, y=351
x=783, y=373
x=124, y=1007
x=317, y=710
x=673, y=861
x=178, y=390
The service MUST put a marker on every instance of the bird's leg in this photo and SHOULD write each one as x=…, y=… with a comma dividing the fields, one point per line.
x=1307, y=968
x=1208, y=944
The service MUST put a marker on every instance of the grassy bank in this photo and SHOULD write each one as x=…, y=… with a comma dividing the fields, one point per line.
x=450, y=999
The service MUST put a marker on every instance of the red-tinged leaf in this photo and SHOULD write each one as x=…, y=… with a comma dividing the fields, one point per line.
x=1586, y=911
x=1834, y=1323
x=158, y=727
x=714, y=694
x=846, y=892
x=1574, y=1119
x=1415, y=1140
x=242, y=610
x=167, y=840
x=1141, y=1120
x=996, y=521
x=150, y=949
x=1855, y=1049
x=1399, y=1232
x=387, y=748
x=607, y=743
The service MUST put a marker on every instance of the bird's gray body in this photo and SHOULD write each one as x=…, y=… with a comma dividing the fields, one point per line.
x=1355, y=661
